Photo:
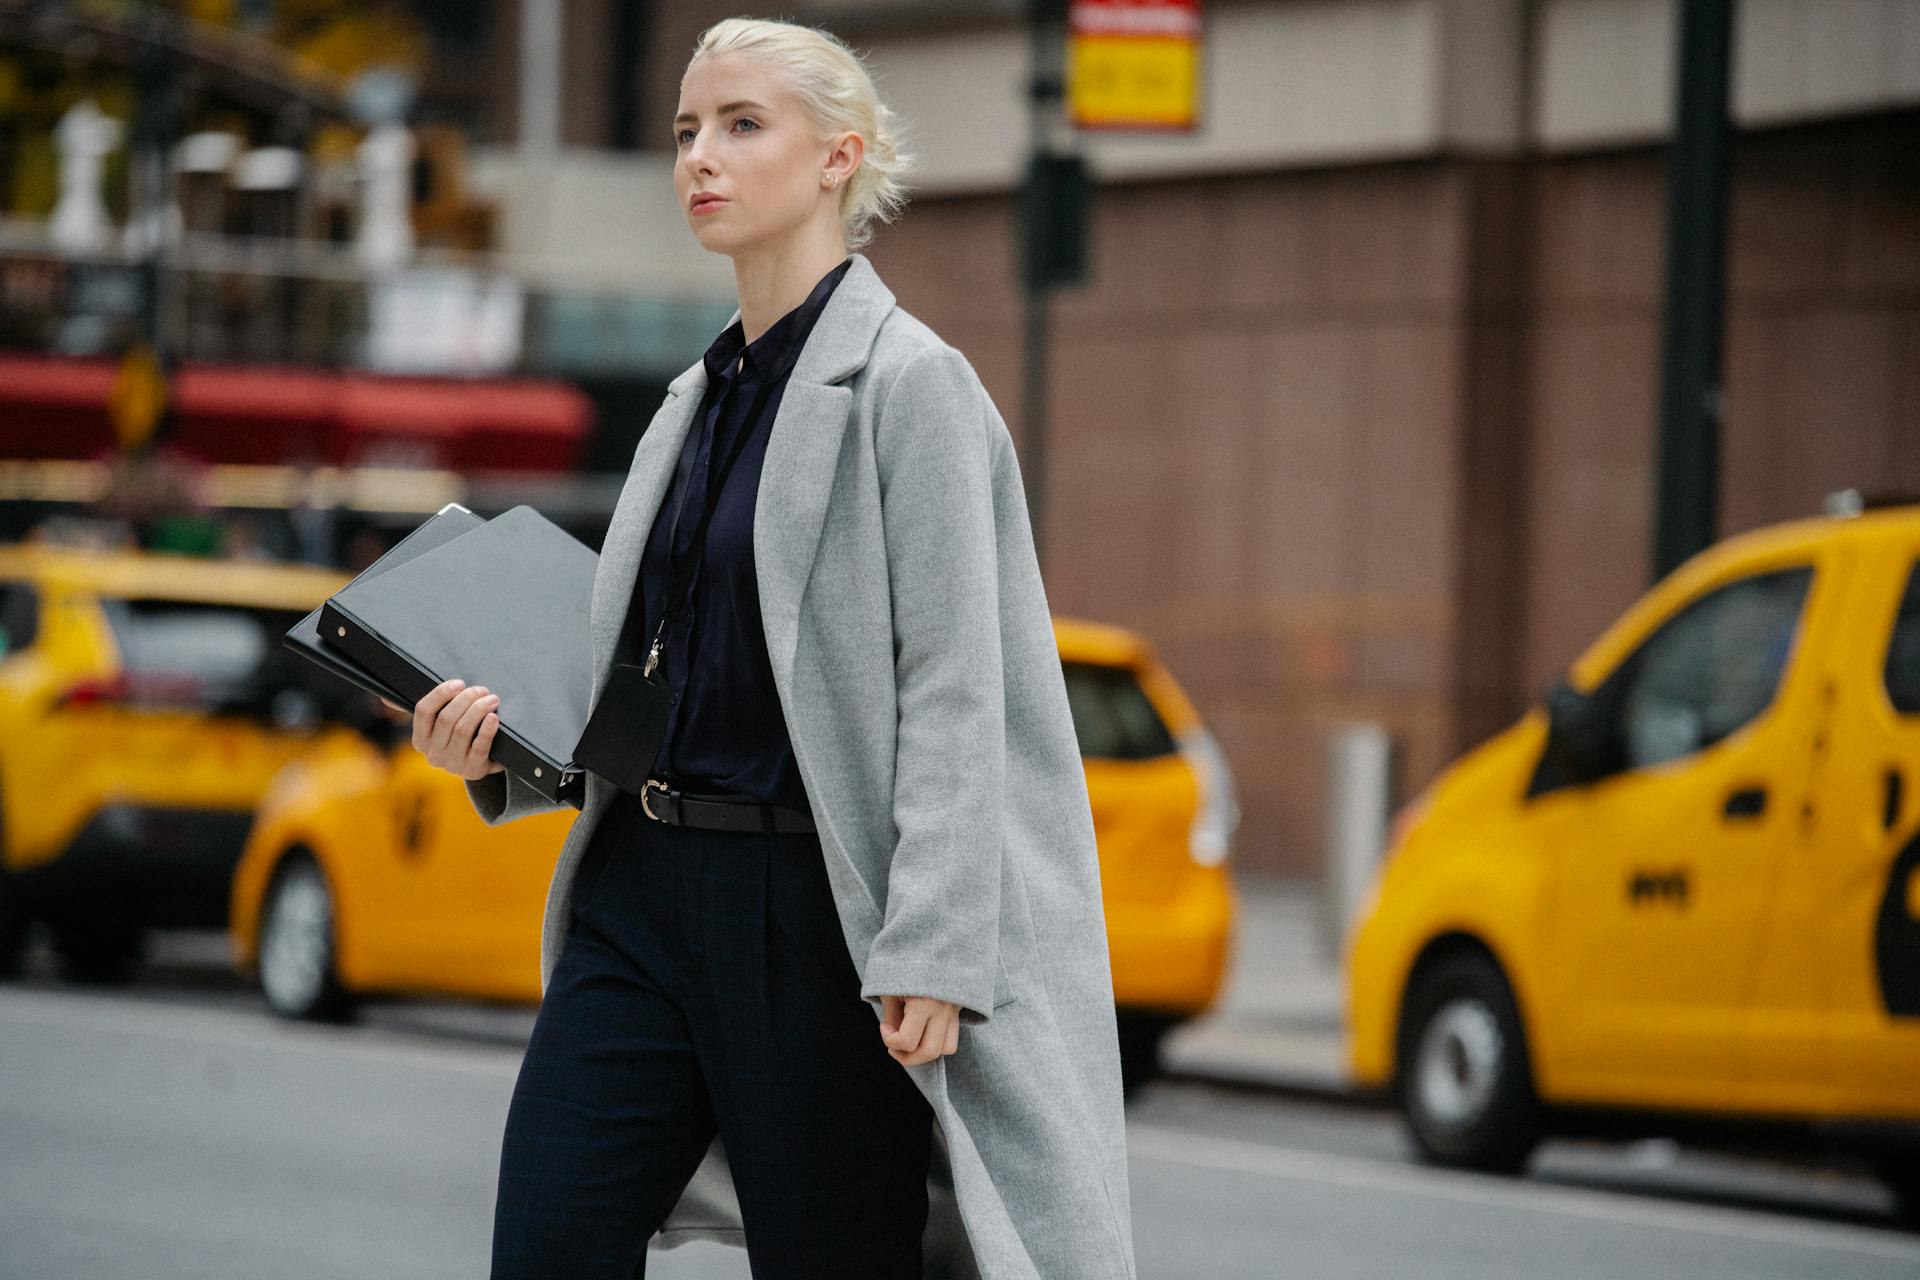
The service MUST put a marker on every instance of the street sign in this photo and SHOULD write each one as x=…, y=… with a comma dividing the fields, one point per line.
x=1134, y=64
x=138, y=398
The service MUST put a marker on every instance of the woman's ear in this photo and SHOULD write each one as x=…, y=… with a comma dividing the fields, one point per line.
x=849, y=149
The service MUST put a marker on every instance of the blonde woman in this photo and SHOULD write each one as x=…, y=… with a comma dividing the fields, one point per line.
x=834, y=984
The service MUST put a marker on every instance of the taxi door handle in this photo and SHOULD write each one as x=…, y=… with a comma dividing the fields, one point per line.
x=1890, y=806
x=1748, y=802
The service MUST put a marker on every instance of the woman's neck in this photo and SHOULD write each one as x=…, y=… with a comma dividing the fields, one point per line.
x=775, y=280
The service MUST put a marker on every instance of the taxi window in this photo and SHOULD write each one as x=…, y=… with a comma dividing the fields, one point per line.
x=1112, y=715
x=1710, y=669
x=183, y=653
x=19, y=618
x=1902, y=672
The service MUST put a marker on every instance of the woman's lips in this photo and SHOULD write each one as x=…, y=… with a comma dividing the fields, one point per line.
x=709, y=204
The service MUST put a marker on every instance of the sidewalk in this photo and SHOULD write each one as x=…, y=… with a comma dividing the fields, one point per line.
x=1279, y=1021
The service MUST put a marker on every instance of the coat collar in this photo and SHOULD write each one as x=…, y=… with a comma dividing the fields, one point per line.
x=796, y=477
x=841, y=338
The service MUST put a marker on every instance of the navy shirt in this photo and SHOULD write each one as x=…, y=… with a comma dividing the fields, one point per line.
x=725, y=728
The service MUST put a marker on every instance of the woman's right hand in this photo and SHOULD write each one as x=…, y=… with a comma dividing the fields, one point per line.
x=453, y=728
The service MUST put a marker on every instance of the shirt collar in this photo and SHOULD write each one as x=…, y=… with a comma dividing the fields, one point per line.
x=761, y=351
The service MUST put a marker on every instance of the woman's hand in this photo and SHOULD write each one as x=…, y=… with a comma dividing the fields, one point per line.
x=918, y=1029
x=453, y=728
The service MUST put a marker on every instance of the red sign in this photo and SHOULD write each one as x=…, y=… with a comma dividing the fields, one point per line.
x=1134, y=64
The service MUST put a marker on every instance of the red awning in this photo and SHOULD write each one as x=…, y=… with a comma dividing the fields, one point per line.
x=54, y=408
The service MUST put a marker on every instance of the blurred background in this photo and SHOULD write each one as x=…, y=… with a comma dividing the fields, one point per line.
x=1386, y=376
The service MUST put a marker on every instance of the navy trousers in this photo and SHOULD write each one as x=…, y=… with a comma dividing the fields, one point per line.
x=704, y=986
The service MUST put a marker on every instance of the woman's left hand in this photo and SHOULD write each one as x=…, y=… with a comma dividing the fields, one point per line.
x=918, y=1029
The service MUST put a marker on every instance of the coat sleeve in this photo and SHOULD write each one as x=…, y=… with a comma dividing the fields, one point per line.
x=501, y=797
x=935, y=445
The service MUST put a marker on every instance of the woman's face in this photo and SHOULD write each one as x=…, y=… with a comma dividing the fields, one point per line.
x=740, y=134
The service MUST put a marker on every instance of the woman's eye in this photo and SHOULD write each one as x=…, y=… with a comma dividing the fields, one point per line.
x=680, y=135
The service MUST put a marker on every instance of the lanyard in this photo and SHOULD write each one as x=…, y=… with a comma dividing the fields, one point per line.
x=680, y=577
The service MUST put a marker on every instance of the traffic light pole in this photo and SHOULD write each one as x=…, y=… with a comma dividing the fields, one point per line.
x=1047, y=101
x=1691, y=398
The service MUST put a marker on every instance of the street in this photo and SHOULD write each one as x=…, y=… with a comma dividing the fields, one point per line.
x=173, y=1129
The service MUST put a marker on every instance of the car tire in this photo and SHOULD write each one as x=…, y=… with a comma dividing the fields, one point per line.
x=1141, y=1032
x=99, y=949
x=14, y=925
x=297, y=965
x=1463, y=1081
x=1899, y=1169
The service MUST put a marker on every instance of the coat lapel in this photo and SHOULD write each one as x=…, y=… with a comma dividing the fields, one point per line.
x=796, y=479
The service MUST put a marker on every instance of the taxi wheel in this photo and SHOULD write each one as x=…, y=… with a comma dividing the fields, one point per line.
x=1141, y=1032
x=14, y=923
x=298, y=975
x=1464, y=1084
x=102, y=950
x=1899, y=1168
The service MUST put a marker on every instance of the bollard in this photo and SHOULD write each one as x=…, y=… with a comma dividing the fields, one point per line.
x=1358, y=812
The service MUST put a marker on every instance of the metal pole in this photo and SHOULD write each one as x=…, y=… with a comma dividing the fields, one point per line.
x=152, y=137
x=1360, y=766
x=1047, y=97
x=540, y=75
x=1033, y=401
x=1690, y=391
x=541, y=71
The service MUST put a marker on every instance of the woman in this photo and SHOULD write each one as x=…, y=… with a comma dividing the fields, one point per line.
x=869, y=790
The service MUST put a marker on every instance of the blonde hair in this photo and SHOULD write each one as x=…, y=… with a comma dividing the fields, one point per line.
x=836, y=91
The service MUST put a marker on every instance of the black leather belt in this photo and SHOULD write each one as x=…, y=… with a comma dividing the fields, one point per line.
x=718, y=811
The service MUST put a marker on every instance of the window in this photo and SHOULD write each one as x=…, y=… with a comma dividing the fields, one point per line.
x=1710, y=669
x=1112, y=716
x=19, y=618
x=219, y=657
x=1902, y=672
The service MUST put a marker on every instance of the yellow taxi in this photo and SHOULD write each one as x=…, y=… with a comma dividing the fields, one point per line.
x=1686, y=885
x=369, y=872
x=146, y=703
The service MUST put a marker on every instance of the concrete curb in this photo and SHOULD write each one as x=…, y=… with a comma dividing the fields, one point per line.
x=1281, y=1085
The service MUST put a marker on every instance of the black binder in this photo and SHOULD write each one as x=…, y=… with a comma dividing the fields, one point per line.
x=443, y=526
x=504, y=605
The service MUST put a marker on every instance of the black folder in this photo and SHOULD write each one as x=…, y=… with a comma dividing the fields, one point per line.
x=503, y=605
x=443, y=526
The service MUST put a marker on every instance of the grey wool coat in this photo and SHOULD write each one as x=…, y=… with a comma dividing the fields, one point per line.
x=913, y=652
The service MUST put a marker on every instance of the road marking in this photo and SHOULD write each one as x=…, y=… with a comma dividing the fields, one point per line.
x=236, y=1029
x=1157, y=1142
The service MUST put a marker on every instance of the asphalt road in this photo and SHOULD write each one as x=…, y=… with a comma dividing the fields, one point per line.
x=174, y=1129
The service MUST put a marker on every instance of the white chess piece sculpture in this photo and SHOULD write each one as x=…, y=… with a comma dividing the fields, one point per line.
x=85, y=136
x=385, y=239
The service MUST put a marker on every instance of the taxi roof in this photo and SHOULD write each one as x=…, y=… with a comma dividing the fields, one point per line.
x=140, y=574
x=1083, y=640
x=1864, y=526
x=150, y=575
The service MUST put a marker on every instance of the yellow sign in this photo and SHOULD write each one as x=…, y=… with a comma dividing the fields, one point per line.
x=1134, y=64
x=139, y=396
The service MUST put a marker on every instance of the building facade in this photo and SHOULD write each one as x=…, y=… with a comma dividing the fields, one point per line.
x=1355, y=417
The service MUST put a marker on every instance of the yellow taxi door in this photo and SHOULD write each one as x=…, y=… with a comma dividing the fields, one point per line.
x=426, y=888
x=1661, y=875
x=459, y=903
x=1858, y=922
x=504, y=875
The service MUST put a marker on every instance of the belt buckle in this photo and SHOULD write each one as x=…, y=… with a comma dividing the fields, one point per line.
x=645, y=792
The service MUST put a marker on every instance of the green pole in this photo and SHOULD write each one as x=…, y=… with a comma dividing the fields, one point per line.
x=1687, y=481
